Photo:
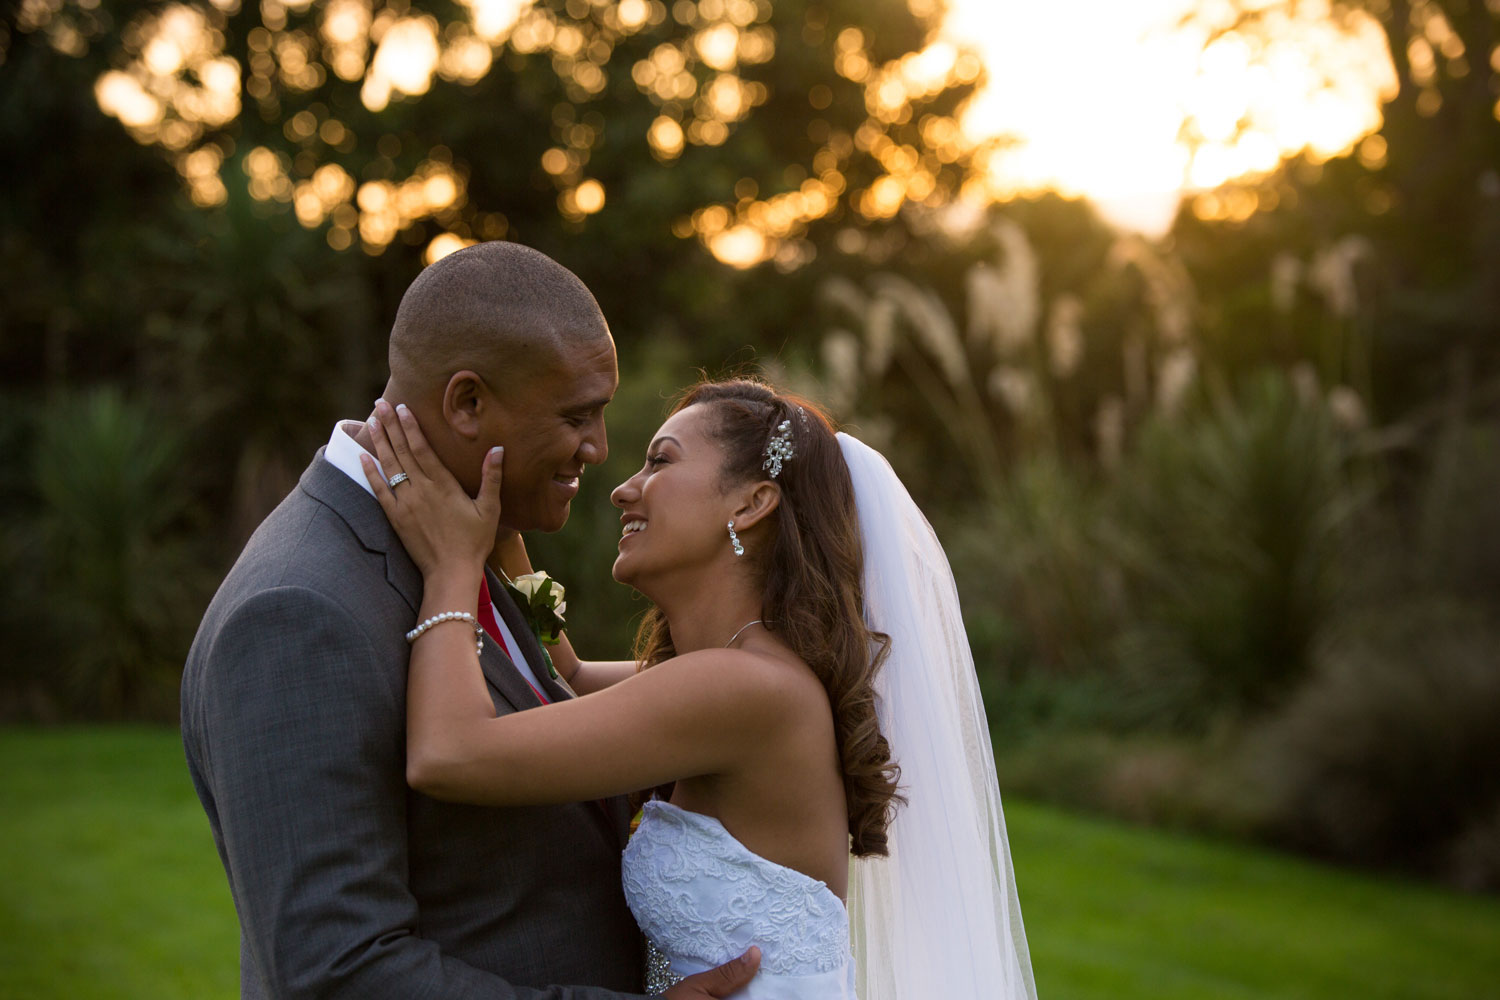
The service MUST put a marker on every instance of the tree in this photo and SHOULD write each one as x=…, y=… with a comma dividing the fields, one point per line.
x=326, y=148
x=1401, y=242
x=615, y=135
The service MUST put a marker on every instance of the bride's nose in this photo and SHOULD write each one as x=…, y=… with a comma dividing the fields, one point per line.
x=625, y=493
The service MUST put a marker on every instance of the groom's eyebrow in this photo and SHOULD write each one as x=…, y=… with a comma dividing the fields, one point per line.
x=589, y=407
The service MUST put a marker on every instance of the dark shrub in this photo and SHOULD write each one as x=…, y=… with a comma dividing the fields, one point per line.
x=1473, y=859
x=112, y=592
x=1230, y=535
x=1388, y=755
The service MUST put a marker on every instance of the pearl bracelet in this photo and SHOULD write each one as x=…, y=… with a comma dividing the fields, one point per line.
x=450, y=616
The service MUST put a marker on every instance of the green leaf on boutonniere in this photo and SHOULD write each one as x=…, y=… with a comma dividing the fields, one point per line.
x=542, y=604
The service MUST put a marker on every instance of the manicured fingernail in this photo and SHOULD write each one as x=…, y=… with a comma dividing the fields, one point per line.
x=401, y=409
x=496, y=454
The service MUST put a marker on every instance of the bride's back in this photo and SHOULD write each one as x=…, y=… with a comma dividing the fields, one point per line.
x=757, y=853
x=787, y=802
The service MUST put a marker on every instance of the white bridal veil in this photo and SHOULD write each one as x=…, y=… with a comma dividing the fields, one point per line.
x=939, y=916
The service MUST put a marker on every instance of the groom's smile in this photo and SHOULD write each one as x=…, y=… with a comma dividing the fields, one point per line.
x=552, y=429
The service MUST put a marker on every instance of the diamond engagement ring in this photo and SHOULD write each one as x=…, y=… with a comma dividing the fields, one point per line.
x=397, y=480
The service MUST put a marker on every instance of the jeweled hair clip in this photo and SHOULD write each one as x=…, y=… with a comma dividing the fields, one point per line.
x=779, y=448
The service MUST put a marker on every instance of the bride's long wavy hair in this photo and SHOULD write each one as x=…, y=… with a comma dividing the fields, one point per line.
x=811, y=585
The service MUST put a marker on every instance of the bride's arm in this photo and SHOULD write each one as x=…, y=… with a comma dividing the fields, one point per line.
x=588, y=676
x=704, y=713
x=509, y=559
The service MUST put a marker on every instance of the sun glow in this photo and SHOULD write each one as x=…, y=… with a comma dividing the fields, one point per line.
x=1133, y=105
x=1129, y=106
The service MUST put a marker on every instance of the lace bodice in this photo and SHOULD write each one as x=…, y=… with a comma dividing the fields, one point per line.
x=702, y=898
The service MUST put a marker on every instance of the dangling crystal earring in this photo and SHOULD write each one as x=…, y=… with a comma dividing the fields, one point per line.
x=734, y=540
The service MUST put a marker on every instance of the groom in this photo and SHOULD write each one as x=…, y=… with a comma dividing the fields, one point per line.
x=346, y=882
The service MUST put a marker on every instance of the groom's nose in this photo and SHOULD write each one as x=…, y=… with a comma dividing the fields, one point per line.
x=594, y=448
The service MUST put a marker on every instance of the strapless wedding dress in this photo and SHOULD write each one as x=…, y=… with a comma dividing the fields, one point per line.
x=703, y=898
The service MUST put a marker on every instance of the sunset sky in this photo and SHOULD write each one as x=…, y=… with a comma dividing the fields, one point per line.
x=1100, y=94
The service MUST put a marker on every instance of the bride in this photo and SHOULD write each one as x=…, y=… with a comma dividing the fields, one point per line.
x=805, y=696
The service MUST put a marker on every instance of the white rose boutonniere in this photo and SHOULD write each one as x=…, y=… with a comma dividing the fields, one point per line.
x=542, y=603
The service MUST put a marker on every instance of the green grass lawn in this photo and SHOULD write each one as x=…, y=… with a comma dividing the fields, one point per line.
x=109, y=887
x=109, y=883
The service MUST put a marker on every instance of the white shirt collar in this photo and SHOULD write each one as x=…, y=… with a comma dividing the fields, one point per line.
x=343, y=454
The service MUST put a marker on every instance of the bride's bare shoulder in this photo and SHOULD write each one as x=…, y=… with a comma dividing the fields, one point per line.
x=744, y=680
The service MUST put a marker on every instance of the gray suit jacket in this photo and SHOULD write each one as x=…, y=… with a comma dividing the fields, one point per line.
x=347, y=883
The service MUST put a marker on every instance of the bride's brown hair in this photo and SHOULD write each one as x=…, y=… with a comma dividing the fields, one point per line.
x=811, y=577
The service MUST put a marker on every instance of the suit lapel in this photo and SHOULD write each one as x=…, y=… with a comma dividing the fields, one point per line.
x=613, y=811
x=362, y=513
x=531, y=649
x=500, y=669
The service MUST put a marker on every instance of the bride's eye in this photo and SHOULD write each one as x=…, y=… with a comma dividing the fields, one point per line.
x=652, y=461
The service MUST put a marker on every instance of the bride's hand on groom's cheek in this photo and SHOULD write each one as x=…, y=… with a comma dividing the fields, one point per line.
x=441, y=526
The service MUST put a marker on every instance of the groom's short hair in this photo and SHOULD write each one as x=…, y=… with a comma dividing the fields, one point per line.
x=498, y=308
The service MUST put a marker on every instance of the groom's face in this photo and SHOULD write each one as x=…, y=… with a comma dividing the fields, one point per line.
x=551, y=426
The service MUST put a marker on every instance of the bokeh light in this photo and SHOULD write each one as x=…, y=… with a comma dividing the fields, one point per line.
x=1132, y=105
x=179, y=83
x=444, y=244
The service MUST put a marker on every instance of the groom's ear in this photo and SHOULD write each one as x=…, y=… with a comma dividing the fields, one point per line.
x=465, y=400
x=763, y=498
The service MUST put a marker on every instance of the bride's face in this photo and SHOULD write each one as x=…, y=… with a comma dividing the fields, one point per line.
x=674, y=511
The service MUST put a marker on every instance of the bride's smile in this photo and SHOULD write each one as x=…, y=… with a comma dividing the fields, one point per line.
x=679, y=497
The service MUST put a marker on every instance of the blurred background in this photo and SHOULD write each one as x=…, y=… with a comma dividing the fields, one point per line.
x=1181, y=320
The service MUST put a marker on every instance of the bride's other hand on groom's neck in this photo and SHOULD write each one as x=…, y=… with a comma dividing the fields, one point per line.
x=508, y=557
